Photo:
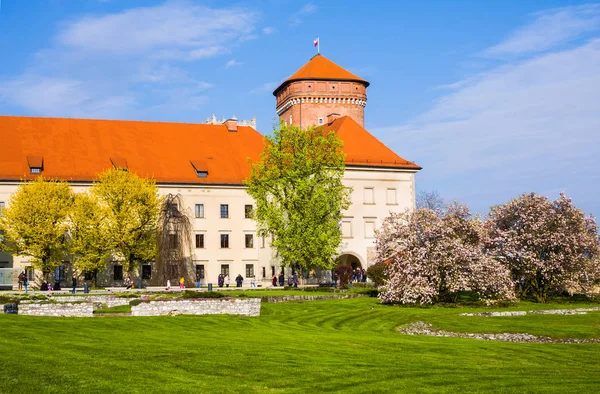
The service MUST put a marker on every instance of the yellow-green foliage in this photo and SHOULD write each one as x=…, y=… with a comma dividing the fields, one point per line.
x=129, y=207
x=299, y=194
x=35, y=222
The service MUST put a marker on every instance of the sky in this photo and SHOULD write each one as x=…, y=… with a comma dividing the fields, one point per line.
x=492, y=98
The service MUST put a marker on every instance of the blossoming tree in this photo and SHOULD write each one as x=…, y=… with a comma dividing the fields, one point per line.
x=549, y=246
x=432, y=258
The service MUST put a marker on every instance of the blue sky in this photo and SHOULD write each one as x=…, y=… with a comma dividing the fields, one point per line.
x=492, y=98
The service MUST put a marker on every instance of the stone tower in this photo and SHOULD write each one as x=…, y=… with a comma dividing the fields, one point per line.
x=320, y=91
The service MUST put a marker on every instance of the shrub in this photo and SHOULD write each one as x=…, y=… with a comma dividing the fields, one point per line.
x=377, y=273
x=344, y=273
x=127, y=295
x=210, y=294
x=6, y=299
x=135, y=302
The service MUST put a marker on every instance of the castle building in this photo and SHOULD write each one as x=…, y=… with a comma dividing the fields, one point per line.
x=207, y=163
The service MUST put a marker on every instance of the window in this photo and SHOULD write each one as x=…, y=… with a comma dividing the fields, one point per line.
x=147, y=271
x=30, y=273
x=320, y=121
x=347, y=228
x=199, y=271
x=264, y=272
x=88, y=275
x=262, y=242
x=369, y=195
x=272, y=270
x=118, y=272
x=248, y=211
x=249, y=270
x=249, y=238
x=224, y=241
x=290, y=119
x=60, y=272
x=202, y=174
x=225, y=269
x=35, y=170
x=369, y=228
x=199, y=211
x=224, y=211
x=391, y=197
x=200, y=241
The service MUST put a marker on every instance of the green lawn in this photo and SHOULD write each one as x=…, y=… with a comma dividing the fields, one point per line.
x=349, y=346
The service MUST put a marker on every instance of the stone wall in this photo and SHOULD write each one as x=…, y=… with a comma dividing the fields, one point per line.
x=308, y=297
x=110, y=301
x=62, y=309
x=248, y=307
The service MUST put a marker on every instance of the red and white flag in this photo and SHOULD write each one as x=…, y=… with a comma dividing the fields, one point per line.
x=316, y=42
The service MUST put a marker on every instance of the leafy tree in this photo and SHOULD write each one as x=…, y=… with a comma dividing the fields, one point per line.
x=549, y=246
x=35, y=222
x=91, y=245
x=433, y=258
x=129, y=207
x=299, y=194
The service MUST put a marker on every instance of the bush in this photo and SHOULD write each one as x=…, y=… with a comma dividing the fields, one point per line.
x=210, y=294
x=135, y=302
x=5, y=299
x=344, y=273
x=127, y=295
x=377, y=274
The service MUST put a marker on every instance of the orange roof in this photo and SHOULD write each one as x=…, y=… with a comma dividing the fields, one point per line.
x=80, y=149
x=321, y=68
x=363, y=149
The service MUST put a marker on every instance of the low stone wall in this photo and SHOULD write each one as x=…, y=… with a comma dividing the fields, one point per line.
x=109, y=300
x=308, y=297
x=248, y=307
x=57, y=309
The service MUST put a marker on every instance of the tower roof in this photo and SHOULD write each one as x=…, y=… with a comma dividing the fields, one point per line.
x=321, y=68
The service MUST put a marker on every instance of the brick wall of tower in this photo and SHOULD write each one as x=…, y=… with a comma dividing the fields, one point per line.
x=317, y=99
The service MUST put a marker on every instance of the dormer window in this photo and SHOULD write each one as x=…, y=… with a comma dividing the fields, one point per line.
x=36, y=164
x=200, y=168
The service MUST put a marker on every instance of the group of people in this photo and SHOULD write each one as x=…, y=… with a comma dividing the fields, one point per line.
x=181, y=283
x=359, y=275
x=292, y=280
x=223, y=280
x=45, y=286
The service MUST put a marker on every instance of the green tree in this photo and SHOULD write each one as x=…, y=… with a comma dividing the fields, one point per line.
x=35, y=222
x=91, y=244
x=129, y=207
x=299, y=194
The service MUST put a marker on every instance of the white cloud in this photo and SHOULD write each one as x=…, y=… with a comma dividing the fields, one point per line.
x=232, y=63
x=268, y=30
x=297, y=17
x=528, y=126
x=549, y=29
x=183, y=29
x=132, y=64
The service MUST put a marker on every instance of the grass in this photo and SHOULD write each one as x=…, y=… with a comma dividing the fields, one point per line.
x=348, y=345
x=113, y=309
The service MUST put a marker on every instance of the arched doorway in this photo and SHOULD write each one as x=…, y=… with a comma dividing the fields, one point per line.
x=351, y=260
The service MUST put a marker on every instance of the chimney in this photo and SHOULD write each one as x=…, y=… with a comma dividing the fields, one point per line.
x=232, y=124
x=331, y=117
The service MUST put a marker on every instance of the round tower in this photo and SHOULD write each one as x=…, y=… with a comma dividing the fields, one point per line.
x=319, y=89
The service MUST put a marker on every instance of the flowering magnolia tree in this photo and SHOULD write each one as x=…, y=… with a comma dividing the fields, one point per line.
x=432, y=257
x=549, y=246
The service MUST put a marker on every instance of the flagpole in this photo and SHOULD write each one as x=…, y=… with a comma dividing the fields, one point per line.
x=318, y=44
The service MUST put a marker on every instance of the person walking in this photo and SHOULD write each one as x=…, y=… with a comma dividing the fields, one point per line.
x=239, y=280
x=182, y=283
x=281, y=279
x=74, y=279
x=274, y=280
x=25, y=283
x=21, y=279
x=221, y=280
x=168, y=284
x=198, y=280
x=295, y=279
x=226, y=280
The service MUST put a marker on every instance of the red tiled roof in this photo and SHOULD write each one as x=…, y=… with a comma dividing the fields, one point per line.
x=80, y=149
x=362, y=148
x=321, y=68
